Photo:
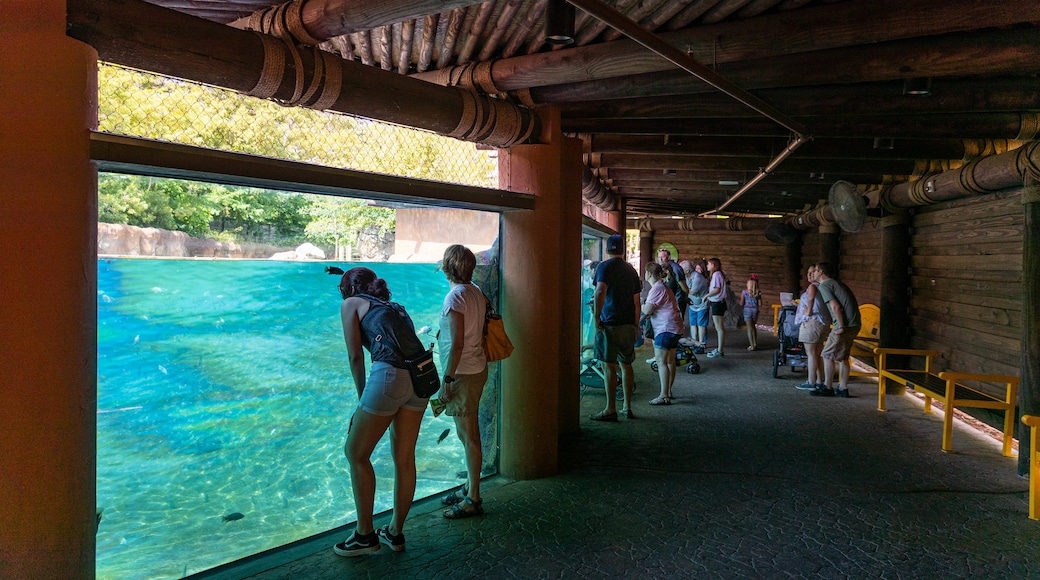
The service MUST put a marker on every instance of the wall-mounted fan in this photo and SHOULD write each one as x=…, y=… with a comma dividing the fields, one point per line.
x=781, y=233
x=848, y=206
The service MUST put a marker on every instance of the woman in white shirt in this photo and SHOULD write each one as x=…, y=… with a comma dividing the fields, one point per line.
x=461, y=346
x=717, y=303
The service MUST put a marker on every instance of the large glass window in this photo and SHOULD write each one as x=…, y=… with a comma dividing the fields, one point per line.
x=224, y=392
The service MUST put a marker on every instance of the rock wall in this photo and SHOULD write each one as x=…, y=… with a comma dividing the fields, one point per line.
x=124, y=240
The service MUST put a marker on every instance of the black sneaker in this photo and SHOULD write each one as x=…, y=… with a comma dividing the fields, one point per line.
x=843, y=393
x=358, y=545
x=395, y=543
x=822, y=392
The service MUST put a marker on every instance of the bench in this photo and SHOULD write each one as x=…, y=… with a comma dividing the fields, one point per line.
x=949, y=389
x=1034, y=465
x=867, y=340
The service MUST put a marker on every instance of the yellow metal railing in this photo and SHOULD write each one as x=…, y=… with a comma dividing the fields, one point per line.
x=1034, y=465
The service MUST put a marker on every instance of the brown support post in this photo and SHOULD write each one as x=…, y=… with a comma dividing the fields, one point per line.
x=1029, y=387
x=793, y=266
x=895, y=281
x=48, y=324
x=646, y=249
x=541, y=268
x=830, y=246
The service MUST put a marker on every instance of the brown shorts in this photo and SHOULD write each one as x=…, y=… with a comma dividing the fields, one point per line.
x=839, y=346
x=466, y=392
x=812, y=331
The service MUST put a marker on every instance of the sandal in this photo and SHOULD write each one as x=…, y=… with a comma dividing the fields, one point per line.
x=455, y=497
x=660, y=401
x=464, y=509
x=601, y=416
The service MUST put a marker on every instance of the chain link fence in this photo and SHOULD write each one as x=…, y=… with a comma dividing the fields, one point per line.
x=141, y=104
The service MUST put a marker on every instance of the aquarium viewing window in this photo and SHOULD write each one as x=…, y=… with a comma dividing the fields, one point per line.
x=224, y=393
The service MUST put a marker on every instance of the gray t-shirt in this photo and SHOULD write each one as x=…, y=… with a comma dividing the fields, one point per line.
x=831, y=289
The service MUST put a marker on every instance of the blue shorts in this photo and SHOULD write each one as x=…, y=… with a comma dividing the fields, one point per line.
x=666, y=340
x=388, y=389
x=699, y=317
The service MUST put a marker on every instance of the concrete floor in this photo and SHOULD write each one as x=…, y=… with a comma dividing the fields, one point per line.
x=743, y=476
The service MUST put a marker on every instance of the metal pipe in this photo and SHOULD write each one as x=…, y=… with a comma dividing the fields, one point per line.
x=762, y=174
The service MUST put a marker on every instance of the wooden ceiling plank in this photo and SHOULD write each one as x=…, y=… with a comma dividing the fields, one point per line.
x=451, y=35
x=476, y=31
x=811, y=29
x=506, y=20
x=989, y=52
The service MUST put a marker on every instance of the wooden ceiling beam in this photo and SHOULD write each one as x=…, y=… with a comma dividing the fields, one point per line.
x=618, y=175
x=689, y=162
x=769, y=147
x=951, y=95
x=987, y=52
x=1020, y=126
x=145, y=36
x=831, y=26
x=325, y=19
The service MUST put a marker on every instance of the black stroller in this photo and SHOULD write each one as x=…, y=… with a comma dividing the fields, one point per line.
x=790, y=351
x=684, y=355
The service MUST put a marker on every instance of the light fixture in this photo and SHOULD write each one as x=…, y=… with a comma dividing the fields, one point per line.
x=668, y=171
x=817, y=176
x=728, y=182
x=670, y=141
x=559, y=22
x=886, y=143
x=918, y=87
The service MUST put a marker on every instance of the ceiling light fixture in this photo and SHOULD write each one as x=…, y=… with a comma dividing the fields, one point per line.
x=670, y=141
x=886, y=143
x=559, y=22
x=918, y=87
x=728, y=182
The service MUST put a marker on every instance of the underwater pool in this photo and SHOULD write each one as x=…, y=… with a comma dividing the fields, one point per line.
x=223, y=402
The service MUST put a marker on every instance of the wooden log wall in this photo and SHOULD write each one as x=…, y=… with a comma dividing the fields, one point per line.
x=861, y=262
x=967, y=282
x=967, y=285
x=742, y=253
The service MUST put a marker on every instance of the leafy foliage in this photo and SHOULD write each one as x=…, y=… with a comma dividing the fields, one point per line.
x=150, y=106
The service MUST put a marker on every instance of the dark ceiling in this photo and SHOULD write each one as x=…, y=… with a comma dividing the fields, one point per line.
x=667, y=142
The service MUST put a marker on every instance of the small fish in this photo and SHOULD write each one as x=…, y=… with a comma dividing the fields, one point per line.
x=232, y=517
x=444, y=435
x=163, y=370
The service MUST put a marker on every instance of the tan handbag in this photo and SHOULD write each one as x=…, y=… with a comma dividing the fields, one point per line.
x=497, y=345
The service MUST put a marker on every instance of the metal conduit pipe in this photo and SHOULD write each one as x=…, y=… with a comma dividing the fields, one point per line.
x=814, y=218
x=596, y=192
x=691, y=224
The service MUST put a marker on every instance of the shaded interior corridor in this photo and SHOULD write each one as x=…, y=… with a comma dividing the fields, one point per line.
x=742, y=476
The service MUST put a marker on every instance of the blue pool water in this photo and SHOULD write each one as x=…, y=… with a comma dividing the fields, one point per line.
x=223, y=388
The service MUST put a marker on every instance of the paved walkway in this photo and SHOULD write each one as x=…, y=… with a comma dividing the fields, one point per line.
x=743, y=476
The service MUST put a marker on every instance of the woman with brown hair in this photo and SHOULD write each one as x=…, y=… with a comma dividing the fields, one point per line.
x=717, y=302
x=387, y=400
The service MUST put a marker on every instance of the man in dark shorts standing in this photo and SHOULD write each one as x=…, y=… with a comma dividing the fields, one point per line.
x=615, y=306
x=845, y=313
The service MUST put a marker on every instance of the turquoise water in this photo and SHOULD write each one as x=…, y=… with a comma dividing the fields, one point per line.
x=223, y=388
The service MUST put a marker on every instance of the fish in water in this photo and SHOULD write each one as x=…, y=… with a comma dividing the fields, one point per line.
x=232, y=517
x=444, y=435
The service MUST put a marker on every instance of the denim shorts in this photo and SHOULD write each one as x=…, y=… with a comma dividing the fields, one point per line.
x=666, y=340
x=388, y=389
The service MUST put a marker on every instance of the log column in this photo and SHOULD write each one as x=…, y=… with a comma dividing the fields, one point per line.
x=793, y=266
x=48, y=322
x=541, y=265
x=1029, y=386
x=830, y=246
x=895, y=281
x=646, y=248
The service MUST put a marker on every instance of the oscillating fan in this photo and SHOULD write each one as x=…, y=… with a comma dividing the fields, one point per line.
x=848, y=206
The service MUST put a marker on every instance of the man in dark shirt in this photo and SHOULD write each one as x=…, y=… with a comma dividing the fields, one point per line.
x=615, y=306
x=845, y=314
